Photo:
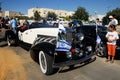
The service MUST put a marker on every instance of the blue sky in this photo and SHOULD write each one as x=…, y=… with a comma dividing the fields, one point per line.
x=92, y=6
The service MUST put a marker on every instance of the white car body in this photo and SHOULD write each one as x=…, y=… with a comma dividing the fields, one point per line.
x=30, y=35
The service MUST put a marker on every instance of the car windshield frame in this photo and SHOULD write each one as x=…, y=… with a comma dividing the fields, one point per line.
x=40, y=25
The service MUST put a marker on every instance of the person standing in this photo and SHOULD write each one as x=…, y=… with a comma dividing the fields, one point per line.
x=113, y=21
x=18, y=21
x=75, y=23
x=27, y=23
x=112, y=37
x=14, y=24
x=98, y=22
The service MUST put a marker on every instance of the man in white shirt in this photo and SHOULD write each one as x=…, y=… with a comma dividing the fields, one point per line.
x=113, y=21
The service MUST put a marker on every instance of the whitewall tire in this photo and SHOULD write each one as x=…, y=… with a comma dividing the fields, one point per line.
x=46, y=62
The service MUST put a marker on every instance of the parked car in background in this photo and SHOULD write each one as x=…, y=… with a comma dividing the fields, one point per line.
x=75, y=23
x=101, y=50
x=90, y=30
x=51, y=21
x=55, y=22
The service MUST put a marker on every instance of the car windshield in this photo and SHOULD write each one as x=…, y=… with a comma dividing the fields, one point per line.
x=102, y=29
x=39, y=25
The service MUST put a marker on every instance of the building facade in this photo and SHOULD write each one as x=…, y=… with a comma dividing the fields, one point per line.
x=44, y=11
x=10, y=13
x=93, y=18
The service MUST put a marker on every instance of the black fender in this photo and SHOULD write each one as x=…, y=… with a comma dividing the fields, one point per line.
x=47, y=47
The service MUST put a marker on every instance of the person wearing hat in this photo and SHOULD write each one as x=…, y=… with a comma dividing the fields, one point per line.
x=113, y=21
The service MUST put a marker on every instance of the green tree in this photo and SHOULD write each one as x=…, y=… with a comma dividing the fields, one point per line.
x=66, y=18
x=105, y=20
x=81, y=14
x=22, y=17
x=51, y=15
x=37, y=15
x=115, y=13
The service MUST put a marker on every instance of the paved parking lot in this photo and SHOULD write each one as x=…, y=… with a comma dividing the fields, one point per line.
x=16, y=64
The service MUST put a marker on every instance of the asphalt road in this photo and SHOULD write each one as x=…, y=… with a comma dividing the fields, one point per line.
x=16, y=64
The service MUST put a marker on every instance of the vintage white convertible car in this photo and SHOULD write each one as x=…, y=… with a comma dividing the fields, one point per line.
x=54, y=47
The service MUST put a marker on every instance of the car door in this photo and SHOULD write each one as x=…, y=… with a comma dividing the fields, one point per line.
x=102, y=31
x=29, y=36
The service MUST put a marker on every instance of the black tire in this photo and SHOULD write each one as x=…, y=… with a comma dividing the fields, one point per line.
x=46, y=62
x=9, y=40
x=10, y=37
x=101, y=50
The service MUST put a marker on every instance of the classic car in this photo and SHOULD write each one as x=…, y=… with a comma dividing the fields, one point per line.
x=55, y=47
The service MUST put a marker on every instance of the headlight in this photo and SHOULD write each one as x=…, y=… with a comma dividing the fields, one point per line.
x=79, y=36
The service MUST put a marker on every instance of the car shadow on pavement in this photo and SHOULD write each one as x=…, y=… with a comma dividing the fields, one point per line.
x=25, y=47
x=75, y=66
x=3, y=43
x=117, y=57
x=1, y=40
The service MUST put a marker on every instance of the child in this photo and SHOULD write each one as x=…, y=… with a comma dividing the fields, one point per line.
x=112, y=37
